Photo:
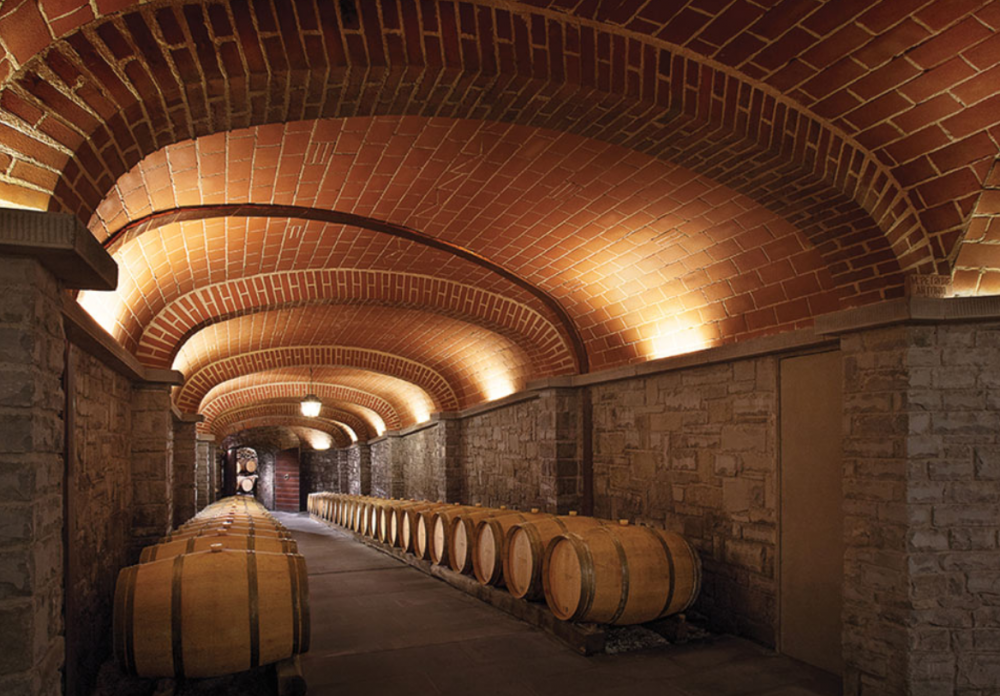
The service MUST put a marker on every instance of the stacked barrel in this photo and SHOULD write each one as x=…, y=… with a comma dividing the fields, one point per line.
x=246, y=476
x=224, y=593
x=587, y=569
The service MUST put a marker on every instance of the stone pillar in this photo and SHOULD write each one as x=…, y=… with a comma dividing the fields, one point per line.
x=560, y=449
x=451, y=469
x=877, y=513
x=152, y=464
x=185, y=463
x=922, y=501
x=204, y=466
x=42, y=254
x=32, y=343
x=359, y=465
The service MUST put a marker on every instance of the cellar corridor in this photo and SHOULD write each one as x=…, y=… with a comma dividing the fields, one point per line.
x=382, y=627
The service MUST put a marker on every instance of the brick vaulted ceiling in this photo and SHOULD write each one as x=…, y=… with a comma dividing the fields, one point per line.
x=430, y=204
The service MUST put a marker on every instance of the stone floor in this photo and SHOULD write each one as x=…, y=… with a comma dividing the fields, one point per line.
x=381, y=627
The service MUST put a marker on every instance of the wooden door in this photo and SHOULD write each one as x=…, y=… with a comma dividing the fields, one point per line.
x=286, y=480
x=811, y=553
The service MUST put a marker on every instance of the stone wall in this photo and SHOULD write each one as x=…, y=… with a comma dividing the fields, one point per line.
x=694, y=451
x=321, y=470
x=32, y=346
x=265, y=479
x=418, y=451
x=500, y=451
x=359, y=469
x=100, y=490
x=388, y=476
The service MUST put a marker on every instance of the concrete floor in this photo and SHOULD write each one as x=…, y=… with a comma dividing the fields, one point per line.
x=381, y=627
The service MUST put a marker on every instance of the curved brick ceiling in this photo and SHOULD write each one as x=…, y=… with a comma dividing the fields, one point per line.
x=881, y=175
x=309, y=431
x=409, y=401
x=167, y=289
x=608, y=83
x=377, y=413
x=246, y=364
x=478, y=364
x=634, y=248
x=361, y=420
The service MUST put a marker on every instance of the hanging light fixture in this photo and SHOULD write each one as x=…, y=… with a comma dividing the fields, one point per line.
x=311, y=405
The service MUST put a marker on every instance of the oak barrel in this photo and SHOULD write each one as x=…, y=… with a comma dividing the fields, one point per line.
x=440, y=531
x=211, y=613
x=463, y=531
x=228, y=529
x=620, y=575
x=411, y=515
x=526, y=544
x=194, y=544
x=491, y=535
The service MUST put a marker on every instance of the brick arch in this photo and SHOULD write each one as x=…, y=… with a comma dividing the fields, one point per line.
x=294, y=392
x=409, y=401
x=113, y=82
x=977, y=266
x=354, y=416
x=201, y=383
x=550, y=352
x=262, y=438
x=473, y=360
x=340, y=437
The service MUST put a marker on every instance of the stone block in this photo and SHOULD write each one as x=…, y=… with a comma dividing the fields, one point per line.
x=743, y=438
x=745, y=554
x=736, y=495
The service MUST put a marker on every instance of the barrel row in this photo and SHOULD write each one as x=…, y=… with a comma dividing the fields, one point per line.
x=223, y=593
x=586, y=569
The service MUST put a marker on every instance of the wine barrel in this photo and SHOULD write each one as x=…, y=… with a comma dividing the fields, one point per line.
x=619, y=575
x=194, y=544
x=422, y=538
x=463, y=531
x=526, y=544
x=408, y=533
x=234, y=524
x=396, y=522
x=234, y=519
x=246, y=484
x=388, y=530
x=440, y=531
x=250, y=466
x=491, y=535
x=211, y=613
x=245, y=531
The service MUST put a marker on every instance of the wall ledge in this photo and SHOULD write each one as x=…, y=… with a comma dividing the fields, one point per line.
x=85, y=333
x=60, y=243
x=909, y=310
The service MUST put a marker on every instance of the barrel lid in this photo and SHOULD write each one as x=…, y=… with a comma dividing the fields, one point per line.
x=534, y=510
x=216, y=548
x=623, y=523
x=573, y=513
x=503, y=507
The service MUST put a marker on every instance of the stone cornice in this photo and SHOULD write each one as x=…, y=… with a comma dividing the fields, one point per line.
x=61, y=244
